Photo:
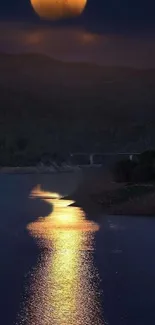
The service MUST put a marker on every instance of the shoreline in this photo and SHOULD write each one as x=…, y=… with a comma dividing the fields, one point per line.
x=96, y=185
x=33, y=170
x=97, y=193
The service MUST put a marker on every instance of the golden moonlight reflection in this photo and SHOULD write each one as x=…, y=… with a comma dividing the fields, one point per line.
x=64, y=285
x=58, y=9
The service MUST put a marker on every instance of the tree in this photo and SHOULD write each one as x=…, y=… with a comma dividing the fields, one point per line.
x=123, y=170
x=22, y=143
x=143, y=173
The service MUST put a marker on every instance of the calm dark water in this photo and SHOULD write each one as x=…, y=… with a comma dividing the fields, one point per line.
x=58, y=268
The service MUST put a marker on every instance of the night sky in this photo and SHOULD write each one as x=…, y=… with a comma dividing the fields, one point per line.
x=108, y=32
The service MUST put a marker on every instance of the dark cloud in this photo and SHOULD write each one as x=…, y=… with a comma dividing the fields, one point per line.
x=68, y=43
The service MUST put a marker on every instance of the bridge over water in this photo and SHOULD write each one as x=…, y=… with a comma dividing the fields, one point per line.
x=99, y=158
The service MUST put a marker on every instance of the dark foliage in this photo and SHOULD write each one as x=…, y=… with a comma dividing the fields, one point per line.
x=143, y=173
x=142, y=170
x=123, y=170
x=22, y=144
x=147, y=157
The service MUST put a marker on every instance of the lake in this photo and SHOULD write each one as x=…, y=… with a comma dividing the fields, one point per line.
x=59, y=268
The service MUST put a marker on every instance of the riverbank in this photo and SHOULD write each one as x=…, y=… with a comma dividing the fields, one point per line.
x=36, y=170
x=99, y=195
x=25, y=170
x=96, y=192
x=128, y=200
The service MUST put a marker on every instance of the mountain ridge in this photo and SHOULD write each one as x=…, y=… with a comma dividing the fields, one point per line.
x=76, y=105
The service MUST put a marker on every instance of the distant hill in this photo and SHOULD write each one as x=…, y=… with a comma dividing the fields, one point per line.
x=75, y=105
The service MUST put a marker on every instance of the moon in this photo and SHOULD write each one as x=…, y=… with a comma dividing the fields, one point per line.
x=58, y=9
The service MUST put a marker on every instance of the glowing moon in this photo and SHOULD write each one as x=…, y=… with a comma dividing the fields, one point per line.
x=58, y=9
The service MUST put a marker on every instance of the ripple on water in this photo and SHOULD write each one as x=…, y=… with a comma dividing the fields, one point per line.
x=64, y=287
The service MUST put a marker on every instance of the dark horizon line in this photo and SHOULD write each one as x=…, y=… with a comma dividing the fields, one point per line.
x=73, y=62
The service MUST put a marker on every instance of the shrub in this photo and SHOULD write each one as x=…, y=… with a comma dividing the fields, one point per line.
x=143, y=173
x=123, y=170
x=22, y=144
x=147, y=157
x=142, y=170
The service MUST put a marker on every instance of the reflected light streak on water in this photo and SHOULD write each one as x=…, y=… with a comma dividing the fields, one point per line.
x=64, y=287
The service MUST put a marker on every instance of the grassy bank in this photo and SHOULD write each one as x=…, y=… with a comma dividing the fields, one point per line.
x=98, y=195
x=123, y=194
x=128, y=200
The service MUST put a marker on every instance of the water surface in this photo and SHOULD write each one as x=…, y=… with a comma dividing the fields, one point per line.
x=64, y=286
x=58, y=267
